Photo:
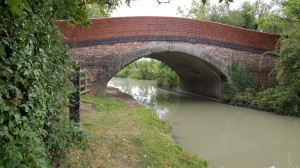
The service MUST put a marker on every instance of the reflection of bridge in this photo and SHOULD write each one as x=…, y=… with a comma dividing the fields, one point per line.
x=199, y=51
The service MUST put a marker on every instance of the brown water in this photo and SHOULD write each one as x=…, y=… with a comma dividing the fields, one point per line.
x=226, y=136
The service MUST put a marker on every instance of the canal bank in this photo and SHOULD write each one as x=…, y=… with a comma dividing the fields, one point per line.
x=122, y=133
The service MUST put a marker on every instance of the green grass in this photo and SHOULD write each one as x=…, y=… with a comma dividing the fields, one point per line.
x=127, y=137
x=104, y=103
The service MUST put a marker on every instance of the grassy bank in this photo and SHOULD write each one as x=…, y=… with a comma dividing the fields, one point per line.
x=122, y=136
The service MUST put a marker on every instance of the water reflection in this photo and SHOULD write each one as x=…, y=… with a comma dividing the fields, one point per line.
x=226, y=136
x=145, y=92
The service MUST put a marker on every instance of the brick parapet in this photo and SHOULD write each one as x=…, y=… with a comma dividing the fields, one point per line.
x=126, y=29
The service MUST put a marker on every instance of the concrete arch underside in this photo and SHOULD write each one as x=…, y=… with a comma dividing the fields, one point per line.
x=199, y=72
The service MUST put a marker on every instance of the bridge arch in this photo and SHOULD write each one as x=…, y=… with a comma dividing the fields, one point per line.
x=199, y=72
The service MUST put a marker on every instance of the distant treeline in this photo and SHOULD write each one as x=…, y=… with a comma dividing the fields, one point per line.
x=149, y=69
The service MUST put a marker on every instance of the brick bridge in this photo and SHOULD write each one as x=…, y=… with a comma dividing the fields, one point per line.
x=199, y=51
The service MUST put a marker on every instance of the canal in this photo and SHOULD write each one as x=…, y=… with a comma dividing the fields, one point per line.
x=224, y=135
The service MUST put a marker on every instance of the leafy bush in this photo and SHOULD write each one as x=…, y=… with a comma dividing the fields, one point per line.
x=240, y=86
x=34, y=84
x=279, y=100
x=244, y=98
x=24, y=149
x=240, y=90
x=241, y=77
x=167, y=78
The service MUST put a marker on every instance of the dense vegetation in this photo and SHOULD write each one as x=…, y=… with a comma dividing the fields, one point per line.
x=285, y=98
x=151, y=70
x=34, y=81
x=279, y=16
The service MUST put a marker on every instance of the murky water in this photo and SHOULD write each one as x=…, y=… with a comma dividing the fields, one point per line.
x=226, y=136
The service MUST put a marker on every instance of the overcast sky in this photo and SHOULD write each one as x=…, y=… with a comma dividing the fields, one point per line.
x=151, y=8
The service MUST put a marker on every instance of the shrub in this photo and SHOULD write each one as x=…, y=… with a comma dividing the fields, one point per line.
x=280, y=100
x=167, y=78
x=34, y=86
x=241, y=77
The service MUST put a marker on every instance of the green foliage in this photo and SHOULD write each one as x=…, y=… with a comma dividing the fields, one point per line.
x=167, y=78
x=285, y=98
x=241, y=77
x=79, y=11
x=141, y=69
x=244, y=98
x=280, y=100
x=240, y=90
x=102, y=8
x=289, y=61
x=94, y=11
x=246, y=16
x=270, y=22
x=34, y=81
x=24, y=150
x=151, y=70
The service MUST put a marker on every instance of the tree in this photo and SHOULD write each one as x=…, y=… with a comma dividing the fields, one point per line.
x=94, y=11
x=289, y=62
x=271, y=20
x=198, y=10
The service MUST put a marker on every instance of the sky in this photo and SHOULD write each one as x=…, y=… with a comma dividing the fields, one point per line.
x=152, y=8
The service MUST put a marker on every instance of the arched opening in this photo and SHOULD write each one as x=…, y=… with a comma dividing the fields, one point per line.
x=151, y=69
x=199, y=72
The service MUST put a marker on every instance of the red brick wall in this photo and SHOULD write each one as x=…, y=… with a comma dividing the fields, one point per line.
x=107, y=28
